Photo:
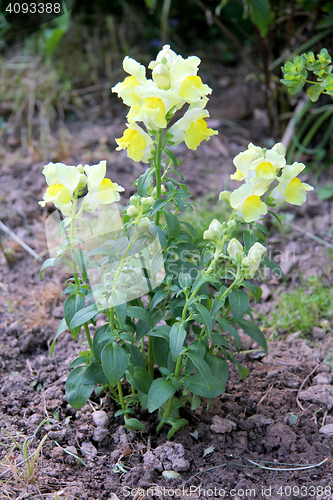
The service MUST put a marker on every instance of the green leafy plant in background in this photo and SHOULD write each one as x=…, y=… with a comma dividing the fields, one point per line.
x=311, y=119
x=170, y=308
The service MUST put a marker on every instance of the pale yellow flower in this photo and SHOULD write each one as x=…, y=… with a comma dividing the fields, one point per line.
x=192, y=128
x=235, y=249
x=126, y=89
x=101, y=190
x=246, y=200
x=290, y=187
x=62, y=180
x=139, y=145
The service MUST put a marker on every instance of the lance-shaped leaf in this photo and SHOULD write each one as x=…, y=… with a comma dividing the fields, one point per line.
x=114, y=361
x=160, y=391
x=77, y=393
x=72, y=305
x=176, y=340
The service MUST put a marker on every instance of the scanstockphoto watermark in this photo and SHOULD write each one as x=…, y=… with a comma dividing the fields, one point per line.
x=22, y=15
x=192, y=262
x=183, y=492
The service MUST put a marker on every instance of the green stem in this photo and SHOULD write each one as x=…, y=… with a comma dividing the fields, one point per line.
x=86, y=329
x=178, y=369
x=121, y=397
x=112, y=318
x=158, y=170
x=150, y=357
x=114, y=394
x=76, y=278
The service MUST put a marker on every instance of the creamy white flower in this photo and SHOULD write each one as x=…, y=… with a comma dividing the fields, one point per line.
x=101, y=190
x=252, y=261
x=62, y=180
x=235, y=249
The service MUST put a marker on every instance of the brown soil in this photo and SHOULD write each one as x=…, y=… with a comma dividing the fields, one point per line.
x=273, y=417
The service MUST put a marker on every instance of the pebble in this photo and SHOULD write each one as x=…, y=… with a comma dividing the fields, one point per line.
x=58, y=453
x=222, y=425
x=318, y=333
x=88, y=450
x=327, y=429
x=100, y=418
x=322, y=378
x=100, y=433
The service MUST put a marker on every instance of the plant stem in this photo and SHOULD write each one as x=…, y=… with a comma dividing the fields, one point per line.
x=150, y=357
x=112, y=318
x=121, y=397
x=86, y=329
x=178, y=369
x=76, y=278
x=158, y=170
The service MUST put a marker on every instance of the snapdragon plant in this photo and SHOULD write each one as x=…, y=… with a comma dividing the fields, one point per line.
x=168, y=312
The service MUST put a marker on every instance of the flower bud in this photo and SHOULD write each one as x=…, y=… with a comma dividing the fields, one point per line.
x=144, y=222
x=147, y=202
x=225, y=196
x=235, y=249
x=279, y=148
x=231, y=226
x=131, y=211
x=161, y=76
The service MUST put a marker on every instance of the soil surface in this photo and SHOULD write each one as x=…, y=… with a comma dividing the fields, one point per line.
x=268, y=436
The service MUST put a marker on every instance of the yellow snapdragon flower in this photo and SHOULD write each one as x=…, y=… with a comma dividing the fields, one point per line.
x=290, y=187
x=246, y=200
x=126, y=89
x=62, y=181
x=139, y=145
x=192, y=128
x=101, y=190
x=257, y=165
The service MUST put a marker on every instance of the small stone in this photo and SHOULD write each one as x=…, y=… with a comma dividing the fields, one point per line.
x=58, y=454
x=100, y=433
x=327, y=429
x=152, y=462
x=88, y=450
x=266, y=293
x=320, y=394
x=260, y=420
x=170, y=474
x=318, y=333
x=100, y=418
x=322, y=378
x=222, y=425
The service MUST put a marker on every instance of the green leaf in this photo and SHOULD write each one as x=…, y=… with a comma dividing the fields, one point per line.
x=162, y=331
x=136, y=357
x=94, y=374
x=201, y=367
x=185, y=280
x=153, y=229
x=260, y=12
x=250, y=238
x=314, y=92
x=47, y=263
x=218, y=366
x=229, y=328
x=83, y=316
x=61, y=329
x=141, y=314
x=134, y=424
x=254, y=332
x=239, y=303
x=161, y=351
x=72, y=305
x=274, y=267
x=190, y=228
x=172, y=223
x=198, y=385
x=121, y=312
x=175, y=426
x=144, y=181
x=139, y=379
x=78, y=393
x=160, y=391
x=158, y=205
x=219, y=302
x=114, y=361
x=219, y=340
x=99, y=344
x=176, y=339
x=158, y=297
x=205, y=315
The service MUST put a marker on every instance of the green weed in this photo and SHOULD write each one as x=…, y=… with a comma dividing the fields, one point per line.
x=302, y=309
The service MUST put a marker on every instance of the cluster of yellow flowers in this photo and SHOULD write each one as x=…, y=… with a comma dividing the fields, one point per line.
x=66, y=181
x=259, y=168
x=155, y=101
